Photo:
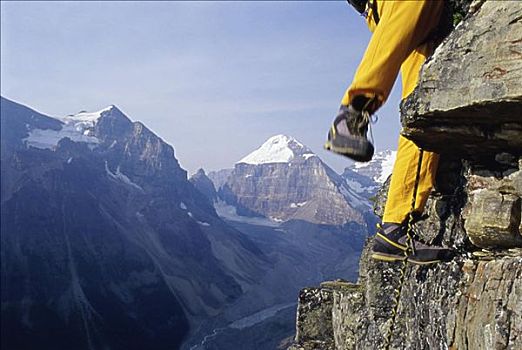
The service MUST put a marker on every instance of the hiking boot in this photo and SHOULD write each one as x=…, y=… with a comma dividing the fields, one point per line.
x=390, y=244
x=347, y=136
x=386, y=246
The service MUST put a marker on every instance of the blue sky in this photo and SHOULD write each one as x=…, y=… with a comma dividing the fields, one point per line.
x=214, y=79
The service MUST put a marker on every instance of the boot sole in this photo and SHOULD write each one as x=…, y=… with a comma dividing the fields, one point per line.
x=351, y=152
x=419, y=262
x=394, y=258
x=387, y=257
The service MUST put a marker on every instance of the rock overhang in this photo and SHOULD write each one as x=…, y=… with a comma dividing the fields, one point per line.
x=468, y=101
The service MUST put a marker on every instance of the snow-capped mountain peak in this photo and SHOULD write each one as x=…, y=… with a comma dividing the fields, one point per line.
x=77, y=127
x=278, y=149
x=88, y=117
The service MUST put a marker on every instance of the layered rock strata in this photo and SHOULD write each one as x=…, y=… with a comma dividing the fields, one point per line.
x=466, y=304
x=469, y=97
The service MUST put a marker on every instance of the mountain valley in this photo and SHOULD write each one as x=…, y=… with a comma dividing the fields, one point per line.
x=107, y=243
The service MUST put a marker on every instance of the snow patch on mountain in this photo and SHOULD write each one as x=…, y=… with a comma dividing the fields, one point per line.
x=379, y=168
x=352, y=198
x=387, y=166
x=297, y=205
x=78, y=127
x=118, y=175
x=87, y=118
x=202, y=223
x=48, y=138
x=356, y=186
x=278, y=149
x=229, y=212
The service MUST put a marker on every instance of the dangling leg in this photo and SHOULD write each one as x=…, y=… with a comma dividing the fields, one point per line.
x=402, y=27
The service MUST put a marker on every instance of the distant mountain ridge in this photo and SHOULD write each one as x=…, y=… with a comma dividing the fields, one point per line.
x=367, y=178
x=379, y=168
x=203, y=184
x=286, y=175
x=241, y=188
x=104, y=241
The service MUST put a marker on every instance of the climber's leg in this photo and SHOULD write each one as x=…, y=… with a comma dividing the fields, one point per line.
x=403, y=26
x=391, y=239
x=400, y=193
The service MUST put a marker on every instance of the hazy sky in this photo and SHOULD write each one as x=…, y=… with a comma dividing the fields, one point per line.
x=214, y=79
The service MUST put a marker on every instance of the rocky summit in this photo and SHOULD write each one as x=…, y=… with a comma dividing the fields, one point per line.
x=468, y=107
x=203, y=184
x=284, y=180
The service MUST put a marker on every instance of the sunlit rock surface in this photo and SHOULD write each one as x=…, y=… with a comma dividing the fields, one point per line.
x=469, y=98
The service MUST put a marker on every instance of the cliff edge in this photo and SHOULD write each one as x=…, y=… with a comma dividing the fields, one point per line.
x=468, y=107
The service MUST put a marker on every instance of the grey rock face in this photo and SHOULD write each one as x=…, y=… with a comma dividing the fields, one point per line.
x=219, y=177
x=314, y=317
x=469, y=97
x=308, y=190
x=448, y=305
x=464, y=304
x=204, y=185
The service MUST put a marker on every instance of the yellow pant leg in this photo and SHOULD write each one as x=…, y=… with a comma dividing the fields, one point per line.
x=403, y=26
x=400, y=193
